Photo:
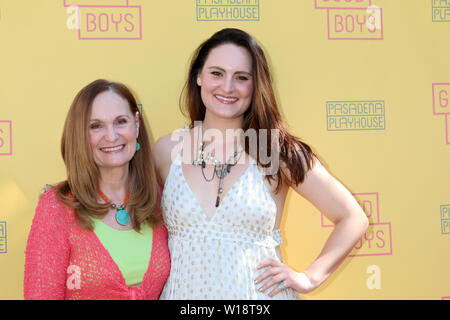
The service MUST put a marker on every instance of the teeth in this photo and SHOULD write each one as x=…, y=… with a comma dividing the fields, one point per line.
x=226, y=99
x=113, y=149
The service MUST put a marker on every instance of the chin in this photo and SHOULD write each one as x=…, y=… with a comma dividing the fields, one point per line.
x=112, y=165
x=226, y=113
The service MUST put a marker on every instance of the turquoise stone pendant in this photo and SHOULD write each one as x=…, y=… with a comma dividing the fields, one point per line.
x=122, y=217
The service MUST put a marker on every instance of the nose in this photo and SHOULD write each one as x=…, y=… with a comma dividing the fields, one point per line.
x=111, y=134
x=228, y=85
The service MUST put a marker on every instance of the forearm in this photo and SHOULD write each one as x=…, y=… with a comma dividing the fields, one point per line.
x=341, y=241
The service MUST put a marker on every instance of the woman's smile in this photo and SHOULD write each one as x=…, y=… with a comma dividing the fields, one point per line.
x=225, y=99
x=115, y=149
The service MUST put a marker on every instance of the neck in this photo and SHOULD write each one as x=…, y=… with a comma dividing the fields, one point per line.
x=222, y=136
x=213, y=122
x=114, y=183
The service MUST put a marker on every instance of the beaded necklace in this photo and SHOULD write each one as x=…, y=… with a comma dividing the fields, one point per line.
x=220, y=169
x=122, y=216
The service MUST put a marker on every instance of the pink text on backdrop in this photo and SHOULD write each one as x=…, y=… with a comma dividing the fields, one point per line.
x=377, y=240
x=107, y=20
x=355, y=24
x=5, y=137
x=352, y=19
x=441, y=96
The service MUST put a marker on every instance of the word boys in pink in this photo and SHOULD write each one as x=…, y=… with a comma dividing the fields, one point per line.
x=107, y=19
x=352, y=19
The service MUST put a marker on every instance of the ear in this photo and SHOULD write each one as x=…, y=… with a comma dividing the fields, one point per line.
x=199, y=80
x=136, y=120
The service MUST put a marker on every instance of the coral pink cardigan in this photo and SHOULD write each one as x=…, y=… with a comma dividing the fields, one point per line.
x=65, y=261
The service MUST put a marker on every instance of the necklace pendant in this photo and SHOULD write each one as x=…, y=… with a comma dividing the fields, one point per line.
x=217, y=201
x=122, y=217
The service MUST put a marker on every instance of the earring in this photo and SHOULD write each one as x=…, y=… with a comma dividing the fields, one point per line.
x=138, y=146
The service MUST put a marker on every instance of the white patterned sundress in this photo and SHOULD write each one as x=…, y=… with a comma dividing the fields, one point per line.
x=215, y=258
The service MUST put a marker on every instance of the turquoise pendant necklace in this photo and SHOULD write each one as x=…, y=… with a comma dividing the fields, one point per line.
x=122, y=217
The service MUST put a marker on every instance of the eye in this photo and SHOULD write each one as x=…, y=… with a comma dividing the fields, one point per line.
x=242, y=78
x=95, y=126
x=122, y=121
x=216, y=73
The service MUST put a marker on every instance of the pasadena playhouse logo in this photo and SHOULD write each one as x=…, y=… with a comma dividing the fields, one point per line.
x=445, y=219
x=356, y=115
x=377, y=241
x=227, y=10
x=441, y=92
x=3, y=237
x=440, y=10
x=104, y=19
x=352, y=19
x=5, y=137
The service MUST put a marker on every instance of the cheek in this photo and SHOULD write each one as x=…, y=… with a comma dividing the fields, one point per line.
x=94, y=139
x=246, y=90
x=209, y=84
x=128, y=133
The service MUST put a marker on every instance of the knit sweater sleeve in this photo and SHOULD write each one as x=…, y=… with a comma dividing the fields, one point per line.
x=48, y=251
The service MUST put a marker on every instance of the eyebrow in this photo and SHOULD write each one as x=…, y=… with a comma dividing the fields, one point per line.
x=223, y=70
x=123, y=115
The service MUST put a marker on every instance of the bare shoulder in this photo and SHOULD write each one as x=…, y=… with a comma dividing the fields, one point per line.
x=314, y=165
x=165, y=149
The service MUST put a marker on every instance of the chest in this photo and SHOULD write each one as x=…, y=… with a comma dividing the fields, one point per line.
x=246, y=199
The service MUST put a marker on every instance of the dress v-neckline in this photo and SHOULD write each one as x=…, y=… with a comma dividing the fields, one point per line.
x=209, y=218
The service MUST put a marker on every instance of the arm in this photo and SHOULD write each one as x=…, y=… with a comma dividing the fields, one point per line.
x=332, y=199
x=47, y=252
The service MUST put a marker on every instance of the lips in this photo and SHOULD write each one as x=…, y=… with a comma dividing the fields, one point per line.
x=113, y=149
x=226, y=100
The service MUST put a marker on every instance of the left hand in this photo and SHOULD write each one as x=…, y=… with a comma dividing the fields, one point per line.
x=279, y=272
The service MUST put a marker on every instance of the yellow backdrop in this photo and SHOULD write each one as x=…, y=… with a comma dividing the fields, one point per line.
x=366, y=83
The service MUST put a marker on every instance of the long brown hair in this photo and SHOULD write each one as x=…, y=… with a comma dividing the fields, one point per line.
x=263, y=112
x=80, y=190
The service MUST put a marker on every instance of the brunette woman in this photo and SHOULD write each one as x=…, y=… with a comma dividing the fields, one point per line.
x=98, y=234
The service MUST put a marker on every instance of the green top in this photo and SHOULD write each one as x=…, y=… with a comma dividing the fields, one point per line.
x=129, y=249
